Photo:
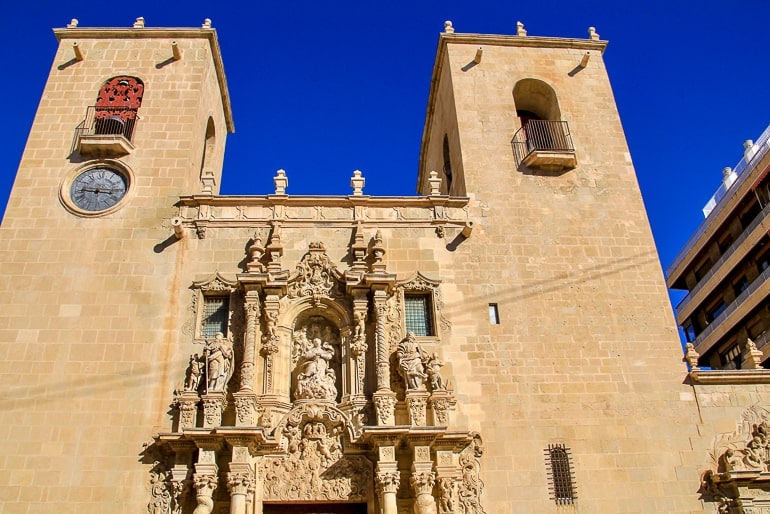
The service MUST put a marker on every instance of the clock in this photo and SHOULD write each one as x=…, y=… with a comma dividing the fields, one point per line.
x=98, y=189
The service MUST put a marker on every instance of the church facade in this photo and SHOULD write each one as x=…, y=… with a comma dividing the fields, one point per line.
x=502, y=342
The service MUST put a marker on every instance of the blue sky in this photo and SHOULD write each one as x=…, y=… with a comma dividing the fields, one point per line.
x=323, y=88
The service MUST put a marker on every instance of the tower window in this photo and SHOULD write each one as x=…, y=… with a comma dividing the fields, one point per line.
x=561, y=480
x=494, y=315
x=418, y=313
x=215, y=315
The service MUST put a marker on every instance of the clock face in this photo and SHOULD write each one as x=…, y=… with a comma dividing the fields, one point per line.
x=98, y=189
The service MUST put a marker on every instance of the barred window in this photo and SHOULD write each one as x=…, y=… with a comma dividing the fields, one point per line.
x=561, y=480
x=418, y=312
x=215, y=315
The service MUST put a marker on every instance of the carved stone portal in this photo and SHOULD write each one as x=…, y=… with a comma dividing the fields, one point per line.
x=314, y=468
x=315, y=356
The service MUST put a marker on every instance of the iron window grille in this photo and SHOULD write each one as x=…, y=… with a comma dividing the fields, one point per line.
x=561, y=478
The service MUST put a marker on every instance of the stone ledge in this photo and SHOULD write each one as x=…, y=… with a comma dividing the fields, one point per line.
x=726, y=377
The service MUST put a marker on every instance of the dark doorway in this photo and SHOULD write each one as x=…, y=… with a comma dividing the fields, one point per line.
x=323, y=508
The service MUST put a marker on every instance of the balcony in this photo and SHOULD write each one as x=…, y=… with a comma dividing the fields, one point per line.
x=106, y=132
x=544, y=145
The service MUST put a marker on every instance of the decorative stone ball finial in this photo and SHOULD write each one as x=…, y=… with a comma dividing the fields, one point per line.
x=520, y=30
x=281, y=182
x=448, y=28
x=357, y=182
x=593, y=34
x=206, y=23
x=139, y=23
x=73, y=24
x=435, y=183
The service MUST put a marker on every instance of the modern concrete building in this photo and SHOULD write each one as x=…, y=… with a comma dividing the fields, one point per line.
x=725, y=268
x=502, y=342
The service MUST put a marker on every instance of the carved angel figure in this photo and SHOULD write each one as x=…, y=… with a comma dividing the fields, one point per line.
x=194, y=373
x=433, y=369
x=410, y=365
x=316, y=380
x=219, y=362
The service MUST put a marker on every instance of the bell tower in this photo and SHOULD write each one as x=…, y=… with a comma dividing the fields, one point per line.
x=527, y=129
x=129, y=120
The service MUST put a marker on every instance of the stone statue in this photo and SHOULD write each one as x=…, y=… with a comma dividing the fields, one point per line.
x=194, y=373
x=219, y=363
x=410, y=365
x=316, y=379
x=433, y=369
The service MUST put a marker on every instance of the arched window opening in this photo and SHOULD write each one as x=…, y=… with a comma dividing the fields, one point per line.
x=207, y=175
x=447, y=165
x=543, y=135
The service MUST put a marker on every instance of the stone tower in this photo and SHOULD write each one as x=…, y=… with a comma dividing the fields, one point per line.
x=500, y=343
x=129, y=120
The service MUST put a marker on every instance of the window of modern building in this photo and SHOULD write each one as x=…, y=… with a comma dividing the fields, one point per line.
x=689, y=332
x=418, y=313
x=732, y=358
x=215, y=316
x=715, y=310
x=701, y=270
x=741, y=285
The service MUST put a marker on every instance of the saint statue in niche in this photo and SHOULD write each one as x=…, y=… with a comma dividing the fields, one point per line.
x=315, y=355
x=219, y=356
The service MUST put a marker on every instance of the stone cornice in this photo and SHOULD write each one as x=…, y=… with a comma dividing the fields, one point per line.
x=161, y=32
x=729, y=377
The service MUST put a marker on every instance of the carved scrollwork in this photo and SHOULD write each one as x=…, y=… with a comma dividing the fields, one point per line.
x=315, y=275
x=314, y=468
x=385, y=406
x=471, y=485
x=160, y=490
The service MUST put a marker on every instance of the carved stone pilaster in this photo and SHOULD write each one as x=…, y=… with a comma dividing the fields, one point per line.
x=441, y=403
x=205, y=483
x=270, y=340
x=417, y=402
x=180, y=491
x=381, y=319
x=245, y=408
x=422, y=483
x=187, y=403
x=358, y=345
x=251, y=309
x=213, y=406
x=385, y=406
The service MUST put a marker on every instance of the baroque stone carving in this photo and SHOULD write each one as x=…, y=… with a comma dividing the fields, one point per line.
x=388, y=481
x=315, y=355
x=447, y=494
x=219, y=357
x=239, y=482
x=160, y=490
x=385, y=406
x=422, y=483
x=314, y=467
x=205, y=484
x=421, y=283
x=471, y=485
x=417, y=403
x=410, y=365
x=315, y=275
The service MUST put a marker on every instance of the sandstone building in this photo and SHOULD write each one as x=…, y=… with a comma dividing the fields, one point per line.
x=502, y=342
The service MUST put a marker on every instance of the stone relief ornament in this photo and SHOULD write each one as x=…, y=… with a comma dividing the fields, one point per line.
x=385, y=407
x=315, y=275
x=205, y=483
x=422, y=484
x=314, y=467
x=447, y=493
x=315, y=355
x=160, y=490
x=388, y=481
x=471, y=486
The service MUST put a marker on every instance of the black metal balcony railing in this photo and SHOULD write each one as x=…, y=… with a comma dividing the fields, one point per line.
x=734, y=305
x=726, y=255
x=543, y=136
x=116, y=121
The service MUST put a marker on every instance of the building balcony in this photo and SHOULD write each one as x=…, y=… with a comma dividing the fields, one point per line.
x=737, y=251
x=544, y=145
x=755, y=294
x=106, y=132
